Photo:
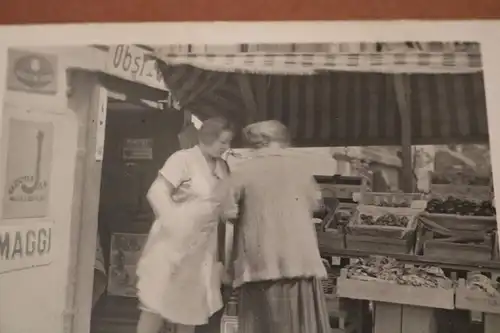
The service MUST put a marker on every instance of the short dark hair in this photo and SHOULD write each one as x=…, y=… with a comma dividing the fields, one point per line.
x=212, y=128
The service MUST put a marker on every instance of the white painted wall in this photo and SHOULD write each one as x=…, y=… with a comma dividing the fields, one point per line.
x=34, y=300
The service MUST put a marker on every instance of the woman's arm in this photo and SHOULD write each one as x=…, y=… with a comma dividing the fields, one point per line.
x=173, y=173
x=159, y=196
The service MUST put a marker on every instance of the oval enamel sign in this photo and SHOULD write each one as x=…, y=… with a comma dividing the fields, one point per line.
x=34, y=71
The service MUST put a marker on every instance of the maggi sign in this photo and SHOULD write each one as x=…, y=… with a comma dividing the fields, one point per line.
x=25, y=246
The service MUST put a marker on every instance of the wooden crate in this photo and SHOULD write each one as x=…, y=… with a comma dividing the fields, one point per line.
x=467, y=192
x=332, y=239
x=475, y=300
x=356, y=226
x=463, y=223
x=441, y=249
x=380, y=244
x=479, y=301
x=380, y=291
x=379, y=198
x=341, y=187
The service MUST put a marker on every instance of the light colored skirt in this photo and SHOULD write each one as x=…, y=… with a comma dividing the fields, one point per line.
x=283, y=306
x=179, y=276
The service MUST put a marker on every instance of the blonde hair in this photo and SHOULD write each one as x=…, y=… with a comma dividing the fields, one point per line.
x=263, y=133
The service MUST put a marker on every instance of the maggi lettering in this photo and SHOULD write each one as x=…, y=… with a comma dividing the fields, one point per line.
x=25, y=243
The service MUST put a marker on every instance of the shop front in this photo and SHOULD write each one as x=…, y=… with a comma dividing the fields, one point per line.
x=85, y=130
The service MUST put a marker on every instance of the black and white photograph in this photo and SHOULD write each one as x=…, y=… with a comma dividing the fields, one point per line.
x=293, y=187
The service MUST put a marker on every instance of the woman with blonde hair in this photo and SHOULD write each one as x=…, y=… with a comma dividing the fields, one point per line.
x=179, y=272
x=277, y=263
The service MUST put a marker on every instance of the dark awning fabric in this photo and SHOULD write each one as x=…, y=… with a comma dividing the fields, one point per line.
x=342, y=108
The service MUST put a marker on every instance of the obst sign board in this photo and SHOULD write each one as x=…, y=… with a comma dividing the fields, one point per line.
x=32, y=72
x=25, y=246
x=133, y=63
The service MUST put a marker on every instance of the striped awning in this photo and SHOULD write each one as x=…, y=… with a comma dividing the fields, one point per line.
x=340, y=108
x=317, y=62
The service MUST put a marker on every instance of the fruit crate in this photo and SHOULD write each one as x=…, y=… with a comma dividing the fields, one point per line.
x=475, y=300
x=381, y=291
x=381, y=238
x=467, y=192
x=331, y=233
x=341, y=187
x=393, y=199
x=442, y=249
x=463, y=223
x=441, y=237
x=357, y=227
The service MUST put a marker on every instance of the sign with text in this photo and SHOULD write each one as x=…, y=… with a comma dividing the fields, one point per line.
x=138, y=149
x=25, y=246
x=32, y=72
x=29, y=165
x=133, y=63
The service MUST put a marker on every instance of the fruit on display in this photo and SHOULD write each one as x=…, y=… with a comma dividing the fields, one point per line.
x=390, y=220
x=478, y=281
x=400, y=204
x=461, y=178
x=457, y=206
x=389, y=270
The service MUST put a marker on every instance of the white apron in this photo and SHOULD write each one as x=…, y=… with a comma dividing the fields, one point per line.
x=179, y=275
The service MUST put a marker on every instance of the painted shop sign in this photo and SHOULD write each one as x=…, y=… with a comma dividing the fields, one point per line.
x=29, y=164
x=25, y=246
x=133, y=63
x=32, y=72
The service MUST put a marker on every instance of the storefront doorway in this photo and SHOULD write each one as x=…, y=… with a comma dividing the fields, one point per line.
x=138, y=140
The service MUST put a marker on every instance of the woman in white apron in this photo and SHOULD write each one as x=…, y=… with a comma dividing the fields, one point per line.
x=179, y=274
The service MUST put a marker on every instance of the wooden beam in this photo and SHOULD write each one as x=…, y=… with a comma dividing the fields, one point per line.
x=248, y=97
x=402, y=91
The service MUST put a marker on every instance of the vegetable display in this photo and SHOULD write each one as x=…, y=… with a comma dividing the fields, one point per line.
x=389, y=270
x=457, y=206
x=481, y=282
x=388, y=219
x=399, y=204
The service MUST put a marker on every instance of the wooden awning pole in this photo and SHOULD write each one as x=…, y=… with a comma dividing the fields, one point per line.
x=402, y=90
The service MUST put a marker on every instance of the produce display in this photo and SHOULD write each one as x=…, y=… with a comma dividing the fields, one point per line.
x=398, y=204
x=481, y=282
x=390, y=220
x=461, y=178
x=389, y=270
x=456, y=206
